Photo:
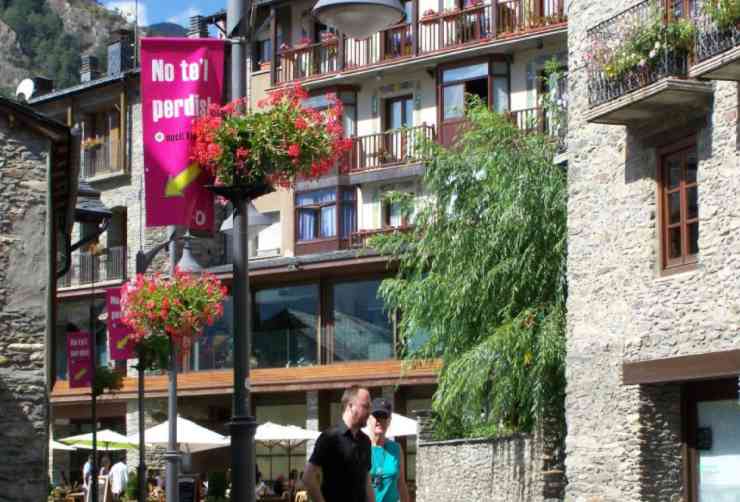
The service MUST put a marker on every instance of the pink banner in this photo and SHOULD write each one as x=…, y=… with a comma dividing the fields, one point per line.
x=180, y=79
x=120, y=342
x=79, y=359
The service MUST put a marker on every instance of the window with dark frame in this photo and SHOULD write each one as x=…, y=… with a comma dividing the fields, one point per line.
x=325, y=214
x=679, y=194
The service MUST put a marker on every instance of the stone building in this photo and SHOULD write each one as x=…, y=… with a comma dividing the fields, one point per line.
x=35, y=200
x=653, y=352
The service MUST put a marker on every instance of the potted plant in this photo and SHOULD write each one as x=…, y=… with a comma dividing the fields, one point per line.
x=428, y=15
x=265, y=65
x=178, y=307
x=725, y=13
x=282, y=140
x=92, y=143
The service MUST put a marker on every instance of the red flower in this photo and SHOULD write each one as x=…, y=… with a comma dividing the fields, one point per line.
x=300, y=123
x=294, y=150
x=242, y=153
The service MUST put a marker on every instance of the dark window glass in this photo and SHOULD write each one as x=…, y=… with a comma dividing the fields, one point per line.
x=692, y=201
x=694, y=238
x=674, y=242
x=214, y=348
x=674, y=207
x=362, y=329
x=285, y=326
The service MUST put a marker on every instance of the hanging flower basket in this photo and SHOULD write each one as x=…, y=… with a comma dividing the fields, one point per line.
x=282, y=140
x=178, y=307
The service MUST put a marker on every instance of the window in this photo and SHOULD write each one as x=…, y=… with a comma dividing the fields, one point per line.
x=264, y=51
x=324, y=214
x=679, y=208
x=101, y=146
x=349, y=105
x=362, y=329
x=213, y=350
x=285, y=326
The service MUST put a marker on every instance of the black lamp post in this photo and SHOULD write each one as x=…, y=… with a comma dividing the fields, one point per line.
x=91, y=211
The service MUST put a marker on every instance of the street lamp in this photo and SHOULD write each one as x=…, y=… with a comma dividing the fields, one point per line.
x=91, y=211
x=359, y=18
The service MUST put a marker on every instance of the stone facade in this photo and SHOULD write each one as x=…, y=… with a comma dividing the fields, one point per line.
x=508, y=469
x=624, y=442
x=23, y=313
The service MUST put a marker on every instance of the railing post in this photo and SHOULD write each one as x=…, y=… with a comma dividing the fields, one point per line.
x=274, y=47
x=415, y=27
x=494, y=18
x=341, y=48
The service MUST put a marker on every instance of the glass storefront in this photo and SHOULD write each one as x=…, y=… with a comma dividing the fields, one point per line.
x=362, y=328
x=719, y=458
x=285, y=326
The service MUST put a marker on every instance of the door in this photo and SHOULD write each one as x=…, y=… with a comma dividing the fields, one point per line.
x=398, y=118
x=713, y=440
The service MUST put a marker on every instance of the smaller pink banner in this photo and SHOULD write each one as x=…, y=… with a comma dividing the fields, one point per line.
x=120, y=341
x=79, y=359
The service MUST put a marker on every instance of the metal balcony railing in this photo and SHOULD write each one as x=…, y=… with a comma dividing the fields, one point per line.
x=87, y=268
x=711, y=37
x=636, y=48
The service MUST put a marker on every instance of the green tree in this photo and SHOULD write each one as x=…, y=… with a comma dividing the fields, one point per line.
x=482, y=278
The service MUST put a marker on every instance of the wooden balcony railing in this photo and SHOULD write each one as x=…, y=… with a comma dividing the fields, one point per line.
x=397, y=146
x=427, y=35
x=99, y=161
x=360, y=238
x=85, y=268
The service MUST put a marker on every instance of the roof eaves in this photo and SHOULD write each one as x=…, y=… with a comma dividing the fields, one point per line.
x=76, y=89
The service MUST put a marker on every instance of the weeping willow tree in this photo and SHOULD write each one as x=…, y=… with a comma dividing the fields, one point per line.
x=481, y=278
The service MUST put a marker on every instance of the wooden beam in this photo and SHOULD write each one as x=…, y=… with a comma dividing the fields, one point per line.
x=682, y=369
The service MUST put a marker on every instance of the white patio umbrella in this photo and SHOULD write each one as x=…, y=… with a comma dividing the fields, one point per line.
x=190, y=436
x=286, y=436
x=56, y=445
x=107, y=440
x=400, y=426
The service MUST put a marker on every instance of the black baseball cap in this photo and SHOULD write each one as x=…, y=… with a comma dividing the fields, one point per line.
x=381, y=407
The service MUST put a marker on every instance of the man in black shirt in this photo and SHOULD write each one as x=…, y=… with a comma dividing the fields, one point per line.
x=342, y=455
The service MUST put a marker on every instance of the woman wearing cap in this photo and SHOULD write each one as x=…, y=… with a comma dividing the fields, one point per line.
x=388, y=472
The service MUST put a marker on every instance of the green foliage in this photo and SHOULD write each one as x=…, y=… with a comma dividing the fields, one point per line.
x=216, y=486
x=482, y=275
x=726, y=13
x=647, y=42
x=153, y=353
x=132, y=486
x=41, y=36
x=106, y=378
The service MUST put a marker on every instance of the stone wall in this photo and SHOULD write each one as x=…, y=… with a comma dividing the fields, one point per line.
x=515, y=468
x=623, y=442
x=23, y=311
x=509, y=469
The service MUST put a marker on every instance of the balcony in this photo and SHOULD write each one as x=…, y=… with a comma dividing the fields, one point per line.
x=390, y=148
x=361, y=238
x=638, y=68
x=99, y=160
x=86, y=268
x=717, y=47
x=432, y=33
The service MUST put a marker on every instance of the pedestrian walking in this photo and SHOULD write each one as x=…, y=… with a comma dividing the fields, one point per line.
x=118, y=478
x=388, y=470
x=341, y=455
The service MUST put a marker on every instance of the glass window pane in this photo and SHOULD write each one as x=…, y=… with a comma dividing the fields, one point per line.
x=694, y=238
x=307, y=224
x=500, y=95
x=395, y=114
x=465, y=72
x=719, y=465
x=673, y=173
x=674, y=207
x=394, y=211
x=214, y=348
x=408, y=119
x=349, y=219
x=691, y=167
x=285, y=326
x=362, y=330
x=674, y=242
x=454, y=101
x=319, y=196
x=328, y=221
x=348, y=121
x=692, y=201
x=500, y=68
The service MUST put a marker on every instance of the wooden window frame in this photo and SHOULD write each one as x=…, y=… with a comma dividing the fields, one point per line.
x=686, y=261
x=338, y=202
x=387, y=111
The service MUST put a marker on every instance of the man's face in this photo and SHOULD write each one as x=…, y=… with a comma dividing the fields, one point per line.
x=361, y=408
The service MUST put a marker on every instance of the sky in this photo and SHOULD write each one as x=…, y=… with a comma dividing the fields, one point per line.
x=158, y=11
